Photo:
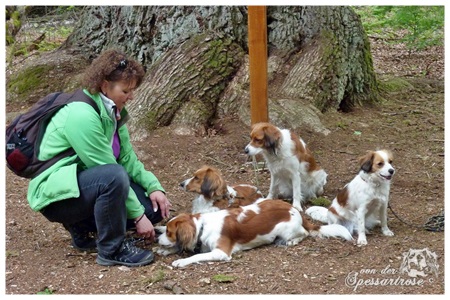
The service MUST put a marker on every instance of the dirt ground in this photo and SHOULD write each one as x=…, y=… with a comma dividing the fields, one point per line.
x=39, y=258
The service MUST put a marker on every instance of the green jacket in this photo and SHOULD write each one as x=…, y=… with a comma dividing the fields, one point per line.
x=79, y=126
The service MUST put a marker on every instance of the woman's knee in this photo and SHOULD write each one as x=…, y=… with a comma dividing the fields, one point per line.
x=116, y=177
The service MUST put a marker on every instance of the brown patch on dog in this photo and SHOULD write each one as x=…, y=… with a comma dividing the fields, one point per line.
x=304, y=154
x=308, y=225
x=245, y=195
x=238, y=229
x=333, y=211
x=389, y=155
x=366, y=161
x=342, y=197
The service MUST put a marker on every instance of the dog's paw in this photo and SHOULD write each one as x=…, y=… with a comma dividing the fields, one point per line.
x=164, y=251
x=387, y=232
x=361, y=241
x=179, y=263
x=293, y=242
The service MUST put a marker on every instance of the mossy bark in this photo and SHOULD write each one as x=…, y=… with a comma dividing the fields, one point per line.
x=187, y=95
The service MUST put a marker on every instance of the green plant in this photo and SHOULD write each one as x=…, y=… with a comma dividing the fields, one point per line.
x=418, y=27
x=224, y=278
x=11, y=253
x=157, y=276
x=46, y=291
x=341, y=124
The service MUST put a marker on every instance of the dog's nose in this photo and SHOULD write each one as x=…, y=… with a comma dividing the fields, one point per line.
x=391, y=171
x=182, y=184
x=246, y=150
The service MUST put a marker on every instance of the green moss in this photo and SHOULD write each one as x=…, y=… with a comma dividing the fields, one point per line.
x=156, y=276
x=150, y=120
x=224, y=278
x=394, y=85
x=321, y=201
x=30, y=80
x=218, y=59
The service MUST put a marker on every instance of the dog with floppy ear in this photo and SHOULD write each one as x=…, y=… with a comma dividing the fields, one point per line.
x=214, y=194
x=221, y=233
x=362, y=203
x=294, y=173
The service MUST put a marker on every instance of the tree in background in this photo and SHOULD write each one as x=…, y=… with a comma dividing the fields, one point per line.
x=197, y=60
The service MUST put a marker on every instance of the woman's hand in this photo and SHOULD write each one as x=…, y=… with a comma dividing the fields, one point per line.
x=160, y=201
x=145, y=228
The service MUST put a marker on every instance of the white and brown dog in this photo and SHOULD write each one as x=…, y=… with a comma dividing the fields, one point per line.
x=214, y=194
x=294, y=173
x=362, y=203
x=224, y=232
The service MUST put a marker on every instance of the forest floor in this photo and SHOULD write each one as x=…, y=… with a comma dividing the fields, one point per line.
x=410, y=122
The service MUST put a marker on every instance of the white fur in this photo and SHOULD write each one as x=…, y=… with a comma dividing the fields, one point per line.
x=201, y=205
x=333, y=230
x=289, y=176
x=318, y=213
x=366, y=207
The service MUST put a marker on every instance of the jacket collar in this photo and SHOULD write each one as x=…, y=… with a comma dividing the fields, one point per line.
x=111, y=108
x=124, y=116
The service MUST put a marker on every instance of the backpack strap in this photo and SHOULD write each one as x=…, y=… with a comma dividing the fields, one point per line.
x=77, y=96
x=81, y=96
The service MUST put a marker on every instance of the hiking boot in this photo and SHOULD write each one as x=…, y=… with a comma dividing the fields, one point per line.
x=128, y=255
x=81, y=240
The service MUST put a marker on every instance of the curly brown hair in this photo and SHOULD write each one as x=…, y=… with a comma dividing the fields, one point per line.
x=112, y=65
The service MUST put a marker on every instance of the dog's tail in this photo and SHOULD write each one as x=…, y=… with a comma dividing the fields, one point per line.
x=325, y=231
x=318, y=213
x=334, y=230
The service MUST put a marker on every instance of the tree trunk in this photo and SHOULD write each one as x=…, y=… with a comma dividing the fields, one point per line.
x=197, y=60
x=334, y=68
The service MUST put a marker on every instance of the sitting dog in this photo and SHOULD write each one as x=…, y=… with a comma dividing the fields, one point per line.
x=214, y=194
x=294, y=173
x=362, y=203
x=220, y=234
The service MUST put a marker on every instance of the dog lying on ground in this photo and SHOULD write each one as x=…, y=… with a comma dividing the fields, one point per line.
x=362, y=203
x=214, y=194
x=220, y=234
x=294, y=173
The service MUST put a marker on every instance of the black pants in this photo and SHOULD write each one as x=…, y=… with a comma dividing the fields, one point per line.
x=101, y=206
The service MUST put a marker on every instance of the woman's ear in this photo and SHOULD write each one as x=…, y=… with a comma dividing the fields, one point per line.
x=104, y=87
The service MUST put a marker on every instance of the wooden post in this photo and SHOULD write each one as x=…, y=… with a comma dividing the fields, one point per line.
x=257, y=45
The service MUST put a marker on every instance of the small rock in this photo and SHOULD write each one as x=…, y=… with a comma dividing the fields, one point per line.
x=172, y=286
x=205, y=281
x=168, y=285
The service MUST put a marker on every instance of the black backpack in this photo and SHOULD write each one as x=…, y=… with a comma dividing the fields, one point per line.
x=24, y=134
